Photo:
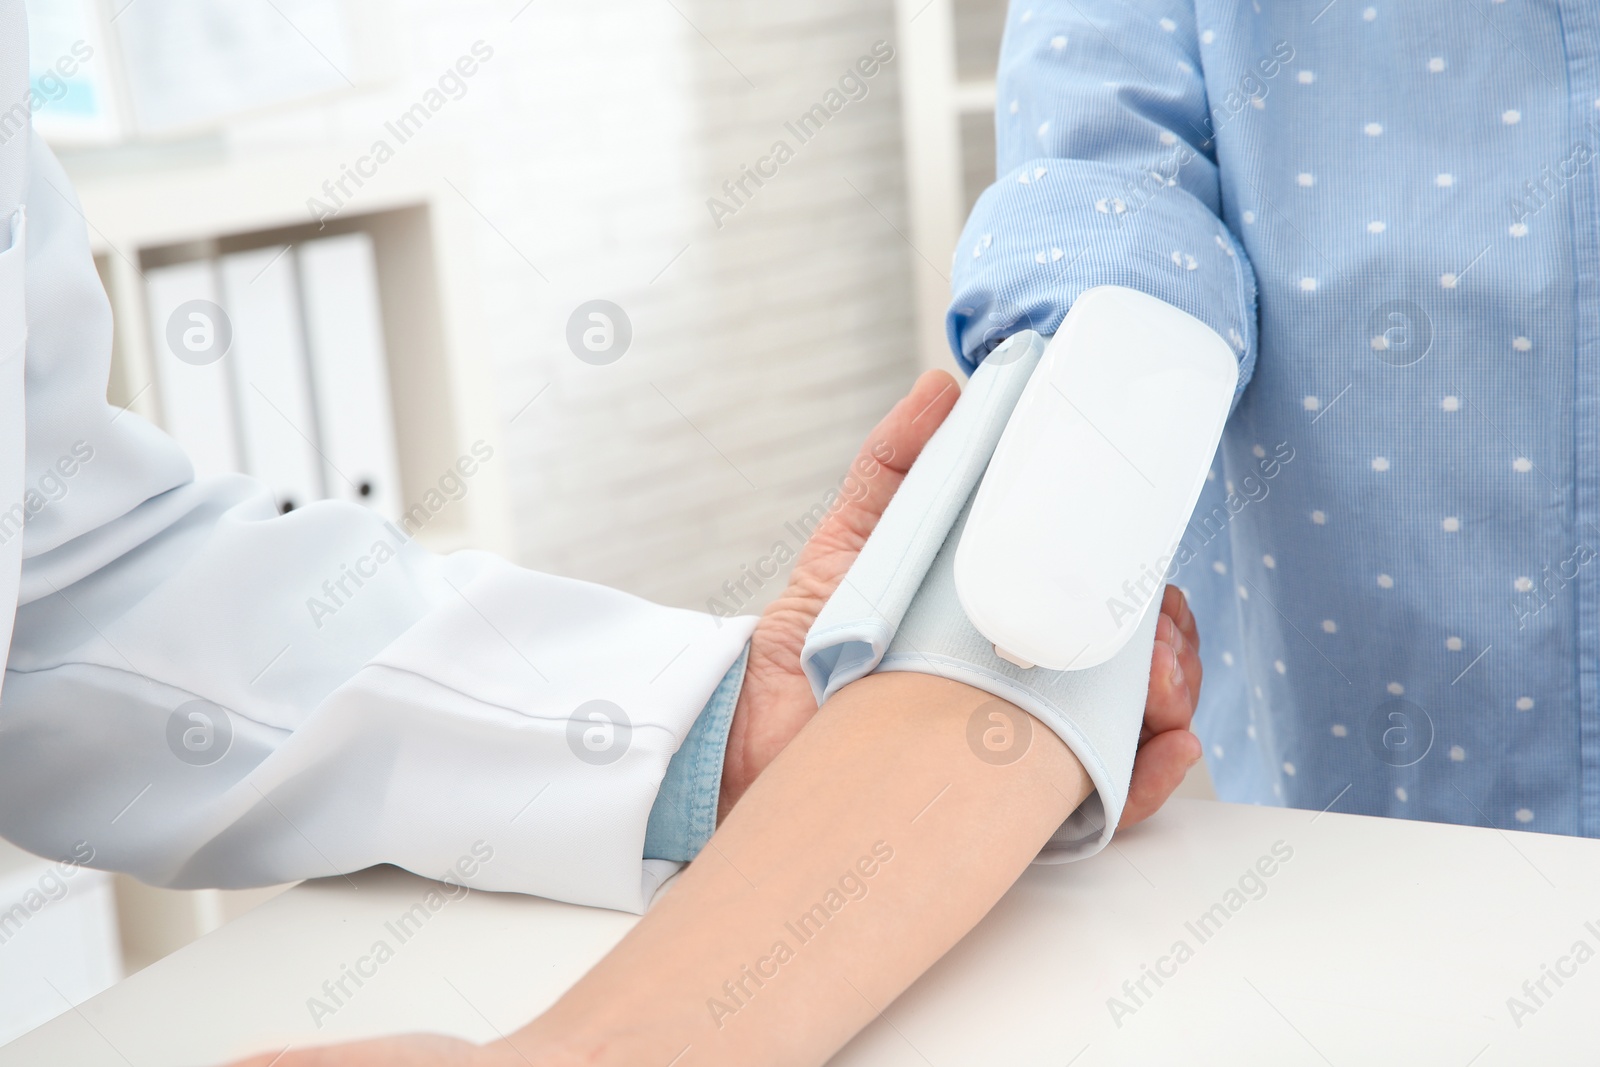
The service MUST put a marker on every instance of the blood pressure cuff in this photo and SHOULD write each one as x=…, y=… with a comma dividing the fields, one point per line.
x=896, y=610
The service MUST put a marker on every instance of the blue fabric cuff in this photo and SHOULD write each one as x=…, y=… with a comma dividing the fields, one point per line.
x=685, y=812
x=1043, y=234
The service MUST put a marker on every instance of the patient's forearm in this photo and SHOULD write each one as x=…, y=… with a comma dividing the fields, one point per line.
x=867, y=849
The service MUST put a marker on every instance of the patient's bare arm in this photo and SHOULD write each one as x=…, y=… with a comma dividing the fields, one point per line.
x=868, y=848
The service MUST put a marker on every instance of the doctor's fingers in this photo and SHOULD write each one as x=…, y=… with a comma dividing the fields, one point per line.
x=888, y=452
x=1175, y=604
x=1184, y=637
x=1174, y=683
x=1158, y=769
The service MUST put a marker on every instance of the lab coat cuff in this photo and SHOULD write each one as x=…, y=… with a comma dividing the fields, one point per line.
x=684, y=815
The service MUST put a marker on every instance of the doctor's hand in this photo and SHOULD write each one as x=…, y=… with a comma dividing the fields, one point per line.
x=1166, y=747
x=776, y=701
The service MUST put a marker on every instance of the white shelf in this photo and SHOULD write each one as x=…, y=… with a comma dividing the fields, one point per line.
x=935, y=99
x=58, y=938
x=441, y=392
x=974, y=96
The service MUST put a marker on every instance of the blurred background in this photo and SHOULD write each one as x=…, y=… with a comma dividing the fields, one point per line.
x=429, y=229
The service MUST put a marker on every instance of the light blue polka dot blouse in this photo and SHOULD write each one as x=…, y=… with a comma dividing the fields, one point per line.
x=1391, y=213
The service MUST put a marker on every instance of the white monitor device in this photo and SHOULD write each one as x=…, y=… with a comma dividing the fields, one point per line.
x=1094, y=479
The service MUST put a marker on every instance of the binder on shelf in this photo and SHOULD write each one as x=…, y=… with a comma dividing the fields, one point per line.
x=195, y=396
x=272, y=393
x=349, y=371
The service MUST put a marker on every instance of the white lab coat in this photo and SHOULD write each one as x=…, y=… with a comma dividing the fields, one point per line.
x=424, y=724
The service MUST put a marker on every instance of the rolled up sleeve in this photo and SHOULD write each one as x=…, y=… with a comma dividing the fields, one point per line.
x=1107, y=176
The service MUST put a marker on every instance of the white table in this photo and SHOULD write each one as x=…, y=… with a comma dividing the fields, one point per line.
x=1377, y=942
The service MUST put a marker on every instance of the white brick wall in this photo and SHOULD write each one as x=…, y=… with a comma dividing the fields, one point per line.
x=592, y=140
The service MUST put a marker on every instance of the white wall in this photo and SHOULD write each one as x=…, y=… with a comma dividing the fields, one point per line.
x=762, y=352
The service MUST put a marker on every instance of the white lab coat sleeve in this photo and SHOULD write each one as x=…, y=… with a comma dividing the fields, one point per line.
x=359, y=700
